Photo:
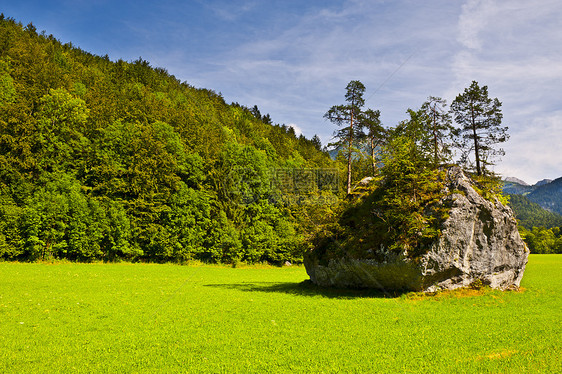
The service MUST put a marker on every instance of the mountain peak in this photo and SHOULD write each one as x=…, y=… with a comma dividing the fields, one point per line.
x=543, y=182
x=516, y=180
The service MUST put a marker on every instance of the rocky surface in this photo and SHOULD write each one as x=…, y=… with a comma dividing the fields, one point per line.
x=479, y=243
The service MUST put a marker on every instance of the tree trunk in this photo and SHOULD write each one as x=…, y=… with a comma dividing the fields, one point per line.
x=349, y=154
x=476, y=150
x=373, y=156
x=435, y=145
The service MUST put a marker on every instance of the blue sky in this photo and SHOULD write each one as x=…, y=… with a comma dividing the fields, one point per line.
x=294, y=58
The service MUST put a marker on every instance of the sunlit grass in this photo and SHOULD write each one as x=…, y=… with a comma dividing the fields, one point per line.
x=143, y=318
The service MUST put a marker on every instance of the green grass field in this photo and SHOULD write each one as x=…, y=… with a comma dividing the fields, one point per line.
x=166, y=318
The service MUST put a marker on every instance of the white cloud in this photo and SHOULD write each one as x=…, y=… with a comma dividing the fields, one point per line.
x=475, y=16
x=533, y=152
x=299, y=72
x=513, y=47
x=295, y=62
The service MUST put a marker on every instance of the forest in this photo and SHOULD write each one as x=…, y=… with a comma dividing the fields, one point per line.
x=106, y=160
x=539, y=228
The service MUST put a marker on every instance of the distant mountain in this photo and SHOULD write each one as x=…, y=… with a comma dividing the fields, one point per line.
x=361, y=147
x=334, y=153
x=530, y=214
x=547, y=193
x=513, y=188
x=543, y=182
x=516, y=180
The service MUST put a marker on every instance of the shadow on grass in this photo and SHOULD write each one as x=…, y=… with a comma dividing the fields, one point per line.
x=307, y=288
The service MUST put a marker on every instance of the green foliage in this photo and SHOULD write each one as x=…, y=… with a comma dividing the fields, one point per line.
x=430, y=127
x=60, y=221
x=541, y=240
x=10, y=235
x=531, y=214
x=7, y=89
x=376, y=135
x=61, y=123
x=103, y=160
x=489, y=186
x=352, y=121
x=480, y=128
x=412, y=193
x=401, y=210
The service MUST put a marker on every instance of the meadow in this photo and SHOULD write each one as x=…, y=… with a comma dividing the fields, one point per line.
x=69, y=317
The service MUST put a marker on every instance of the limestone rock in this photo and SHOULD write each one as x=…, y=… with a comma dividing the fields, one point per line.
x=479, y=243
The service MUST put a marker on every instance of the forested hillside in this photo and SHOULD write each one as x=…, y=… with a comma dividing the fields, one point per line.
x=515, y=188
x=539, y=228
x=549, y=196
x=115, y=160
x=546, y=193
x=103, y=160
x=530, y=214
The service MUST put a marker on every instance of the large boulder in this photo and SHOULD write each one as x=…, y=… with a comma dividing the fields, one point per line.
x=479, y=243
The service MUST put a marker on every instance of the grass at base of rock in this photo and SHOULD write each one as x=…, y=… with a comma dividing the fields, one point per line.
x=67, y=317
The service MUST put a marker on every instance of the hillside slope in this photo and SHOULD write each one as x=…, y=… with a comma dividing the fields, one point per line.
x=514, y=188
x=118, y=160
x=549, y=196
x=530, y=214
x=546, y=193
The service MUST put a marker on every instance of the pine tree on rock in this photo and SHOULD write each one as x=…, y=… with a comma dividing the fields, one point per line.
x=347, y=115
x=480, y=128
x=438, y=122
x=376, y=133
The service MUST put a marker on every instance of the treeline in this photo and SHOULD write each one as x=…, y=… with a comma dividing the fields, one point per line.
x=103, y=160
x=539, y=228
x=542, y=240
x=111, y=160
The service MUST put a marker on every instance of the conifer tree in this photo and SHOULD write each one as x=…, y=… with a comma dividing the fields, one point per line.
x=479, y=118
x=438, y=124
x=411, y=189
x=316, y=142
x=376, y=133
x=347, y=115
